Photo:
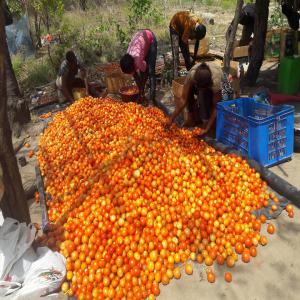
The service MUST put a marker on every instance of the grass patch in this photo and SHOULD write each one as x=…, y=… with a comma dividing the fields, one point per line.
x=17, y=63
x=33, y=72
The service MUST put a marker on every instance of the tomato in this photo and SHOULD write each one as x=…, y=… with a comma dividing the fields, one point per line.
x=248, y=242
x=263, y=218
x=289, y=208
x=253, y=251
x=230, y=261
x=208, y=261
x=188, y=269
x=165, y=279
x=211, y=277
x=177, y=273
x=228, y=276
x=246, y=257
x=239, y=248
x=65, y=287
x=263, y=240
x=220, y=260
x=199, y=258
x=271, y=229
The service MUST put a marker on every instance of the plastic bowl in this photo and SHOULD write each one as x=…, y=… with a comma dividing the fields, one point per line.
x=129, y=93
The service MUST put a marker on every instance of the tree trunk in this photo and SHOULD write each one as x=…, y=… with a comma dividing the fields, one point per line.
x=13, y=203
x=258, y=49
x=231, y=38
x=18, y=111
x=47, y=20
x=37, y=29
x=13, y=88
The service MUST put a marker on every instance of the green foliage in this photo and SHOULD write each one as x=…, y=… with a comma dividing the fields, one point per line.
x=49, y=10
x=143, y=10
x=138, y=9
x=276, y=18
x=16, y=7
x=228, y=3
x=52, y=8
x=223, y=3
x=17, y=63
x=33, y=72
x=122, y=35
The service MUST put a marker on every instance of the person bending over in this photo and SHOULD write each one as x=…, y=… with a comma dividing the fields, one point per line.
x=201, y=92
x=185, y=26
x=247, y=19
x=140, y=61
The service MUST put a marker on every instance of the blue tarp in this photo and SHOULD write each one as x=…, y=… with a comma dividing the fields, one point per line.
x=18, y=37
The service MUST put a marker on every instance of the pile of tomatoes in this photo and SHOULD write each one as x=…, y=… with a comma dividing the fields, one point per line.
x=133, y=203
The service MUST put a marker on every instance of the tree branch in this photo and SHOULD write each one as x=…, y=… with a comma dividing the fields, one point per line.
x=231, y=38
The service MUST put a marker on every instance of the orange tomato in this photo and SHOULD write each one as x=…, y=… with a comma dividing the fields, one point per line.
x=177, y=273
x=271, y=229
x=188, y=269
x=211, y=277
x=208, y=261
x=253, y=251
x=263, y=240
x=228, y=276
x=289, y=208
x=246, y=257
x=230, y=261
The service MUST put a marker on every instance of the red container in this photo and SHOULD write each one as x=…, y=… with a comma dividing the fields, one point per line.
x=276, y=98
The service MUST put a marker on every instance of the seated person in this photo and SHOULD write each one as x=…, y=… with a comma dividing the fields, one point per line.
x=67, y=79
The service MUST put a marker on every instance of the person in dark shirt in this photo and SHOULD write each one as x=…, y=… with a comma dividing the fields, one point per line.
x=247, y=19
x=292, y=15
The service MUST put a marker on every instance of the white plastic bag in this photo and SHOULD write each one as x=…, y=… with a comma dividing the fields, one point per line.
x=25, y=274
x=45, y=276
x=15, y=239
x=16, y=254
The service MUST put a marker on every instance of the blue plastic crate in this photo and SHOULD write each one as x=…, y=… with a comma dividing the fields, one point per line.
x=264, y=132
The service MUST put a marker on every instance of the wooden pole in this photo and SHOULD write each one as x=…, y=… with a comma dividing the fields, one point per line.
x=230, y=41
x=13, y=203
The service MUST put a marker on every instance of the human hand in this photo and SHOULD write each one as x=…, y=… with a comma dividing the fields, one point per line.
x=168, y=124
x=203, y=132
